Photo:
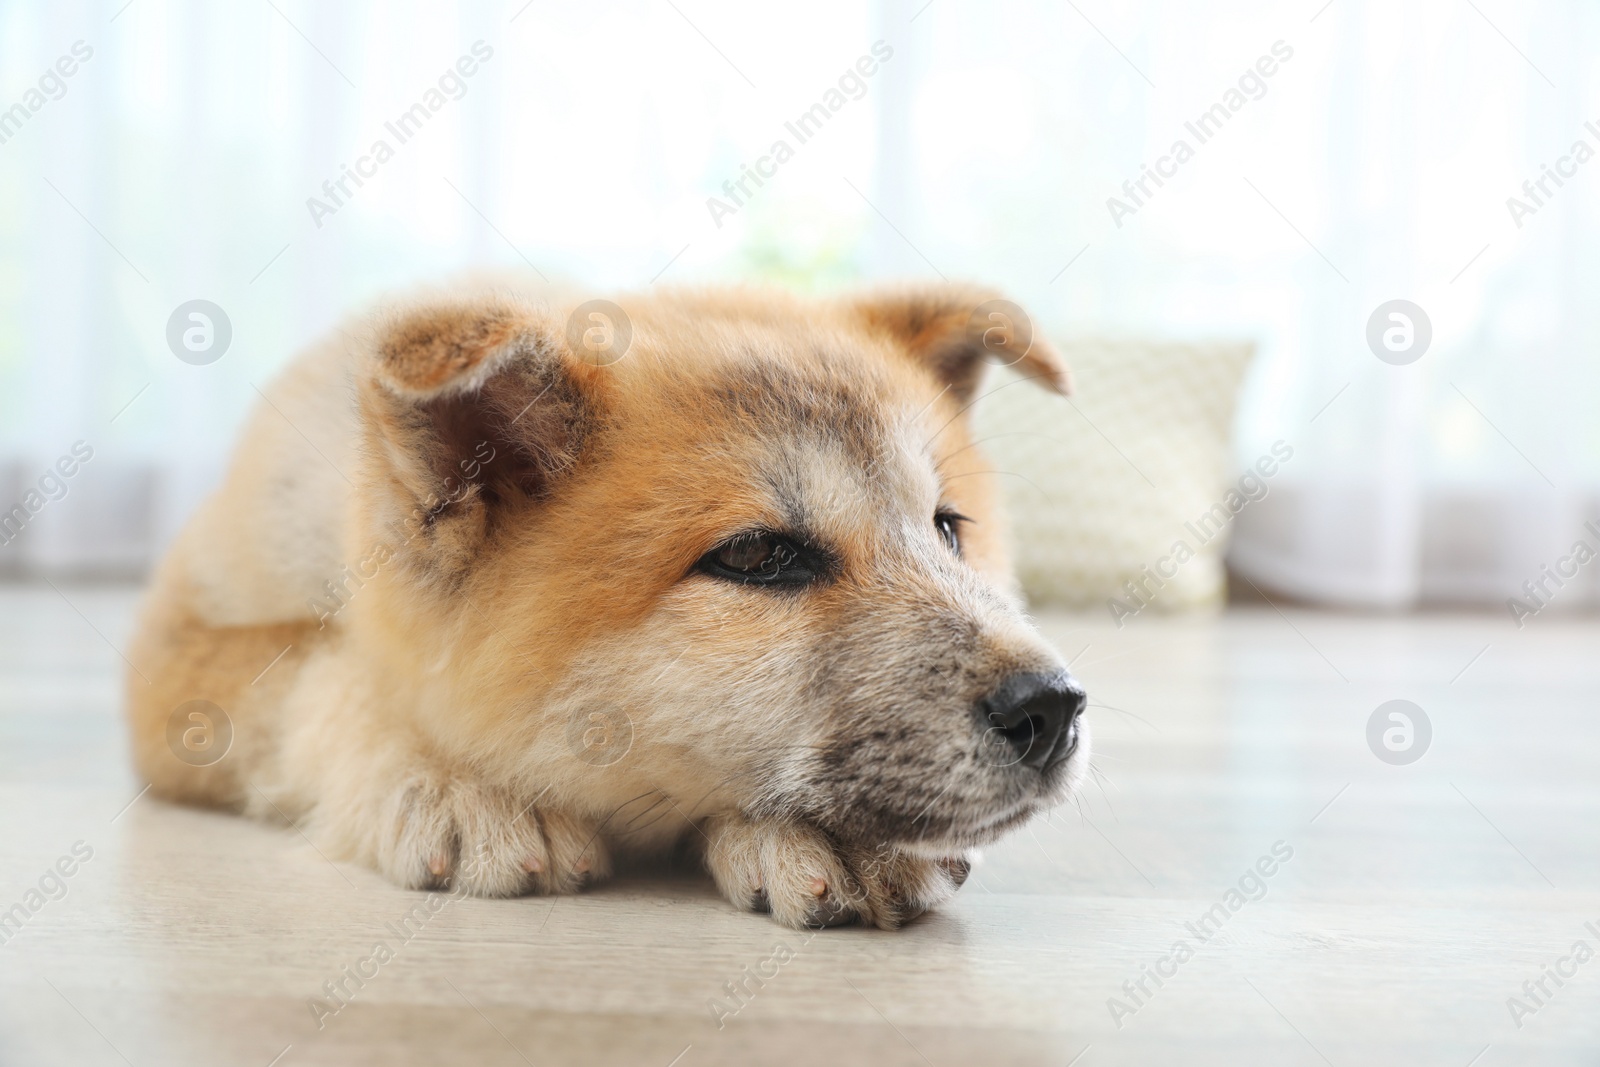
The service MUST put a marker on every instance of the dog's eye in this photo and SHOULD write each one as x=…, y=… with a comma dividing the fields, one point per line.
x=948, y=523
x=761, y=559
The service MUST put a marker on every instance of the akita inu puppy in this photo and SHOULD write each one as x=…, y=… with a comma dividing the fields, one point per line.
x=493, y=593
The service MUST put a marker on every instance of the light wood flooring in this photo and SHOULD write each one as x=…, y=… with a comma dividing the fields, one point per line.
x=1417, y=900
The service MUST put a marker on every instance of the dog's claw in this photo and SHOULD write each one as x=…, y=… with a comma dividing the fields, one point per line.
x=830, y=913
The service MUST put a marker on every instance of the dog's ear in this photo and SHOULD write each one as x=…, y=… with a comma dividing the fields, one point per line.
x=954, y=329
x=470, y=412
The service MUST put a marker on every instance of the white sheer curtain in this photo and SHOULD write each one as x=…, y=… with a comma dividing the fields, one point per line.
x=1462, y=476
x=1372, y=164
x=1375, y=165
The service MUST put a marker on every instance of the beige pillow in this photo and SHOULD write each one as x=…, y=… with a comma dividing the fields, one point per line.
x=1102, y=487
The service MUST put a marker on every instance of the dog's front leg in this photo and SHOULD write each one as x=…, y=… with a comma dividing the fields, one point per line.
x=427, y=827
x=378, y=794
x=805, y=879
x=449, y=830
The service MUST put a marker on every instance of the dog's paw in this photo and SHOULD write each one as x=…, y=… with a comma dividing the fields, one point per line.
x=460, y=835
x=804, y=879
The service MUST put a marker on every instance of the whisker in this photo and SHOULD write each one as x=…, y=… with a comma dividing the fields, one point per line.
x=964, y=407
x=1125, y=712
x=598, y=829
x=664, y=813
x=996, y=437
x=1116, y=655
x=629, y=825
x=1013, y=474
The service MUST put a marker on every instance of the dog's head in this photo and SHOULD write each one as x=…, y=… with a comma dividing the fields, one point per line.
x=753, y=561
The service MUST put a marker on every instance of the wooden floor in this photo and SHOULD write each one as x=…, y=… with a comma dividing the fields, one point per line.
x=1418, y=898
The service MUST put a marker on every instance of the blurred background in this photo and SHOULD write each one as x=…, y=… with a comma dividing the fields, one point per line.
x=1357, y=152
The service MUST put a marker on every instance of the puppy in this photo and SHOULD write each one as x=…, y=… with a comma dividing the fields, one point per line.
x=489, y=597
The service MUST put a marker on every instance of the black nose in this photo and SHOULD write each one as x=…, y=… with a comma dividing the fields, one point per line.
x=1032, y=719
